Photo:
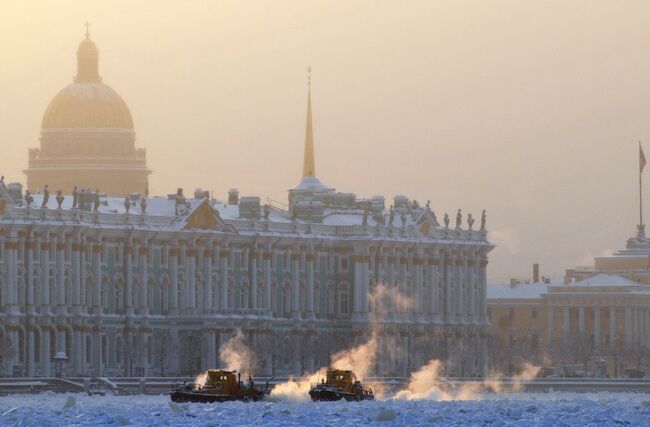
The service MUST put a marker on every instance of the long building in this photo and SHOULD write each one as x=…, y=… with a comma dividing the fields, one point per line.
x=155, y=285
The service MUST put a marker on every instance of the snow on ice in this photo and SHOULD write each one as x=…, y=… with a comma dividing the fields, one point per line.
x=507, y=409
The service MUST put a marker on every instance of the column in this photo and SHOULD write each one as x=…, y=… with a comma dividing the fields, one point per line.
x=581, y=322
x=483, y=289
x=419, y=302
x=98, y=249
x=76, y=277
x=207, y=283
x=460, y=289
x=253, y=272
x=612, y=327
x=223, y=296
x=173, y=281
x=45, y=351
x=128, y=251
x=60, y=276
x=45, y=278
x=143, y=270
x=448, y=284
x=267, y=280
x=82, y=272
x=357, y=287
x=98, y=370
x=597, y=328
x=565, y=322
x=295, y=286
x=432, y=265
x=309, y=273
x=365, y=288
x=628, y=325
x=190, y=281
x=472, y=302
x=30, y=351
x=174, y=350
x=550, y=321
x=212, y=361
x=29, y=267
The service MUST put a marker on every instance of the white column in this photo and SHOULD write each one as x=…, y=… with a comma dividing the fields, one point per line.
x=483, y=289
x=143, y=270
x=628, y=325
x=30, y=352
x=128, y=250
x=357, y=287
x=190, y=278
x=267, y=280
x=295, y=286
x=173, y=282
x=45, y=277
x=45, y=352
x=253, y=274
x=207, y=283
x=60, y=275
x=223, y=270
x=83, y=274
x=365, y=288
x=29, y=267
x=97, y=280
x=419, y=301
x=76, y=276
x=597, y=328
x=432, y=276
x=309, y=273
x=612, y=327
x=565, y=322
x=448, y=284
x=581, y=322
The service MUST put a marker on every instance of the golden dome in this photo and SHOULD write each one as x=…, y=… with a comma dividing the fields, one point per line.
x=87, y=105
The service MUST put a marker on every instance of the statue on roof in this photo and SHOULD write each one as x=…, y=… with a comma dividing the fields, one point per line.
x=435, y=220
x=28, y=198
x=46, y=197
x=428, y=205
x=59, y=199
x=446, y=219
x=459, y=218
x=402, y=217
x=143, y=205
x=391, y=219
x=470, y=220
x=267, y=211
x=127, y=204
x=75, y=198
x=483, y=218
x=96, y=200
x=365, y=217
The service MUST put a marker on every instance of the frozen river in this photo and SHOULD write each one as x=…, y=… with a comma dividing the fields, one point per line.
x=516, y=409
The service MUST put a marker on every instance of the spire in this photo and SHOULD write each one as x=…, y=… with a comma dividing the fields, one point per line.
x=309, y=165
x=87, y=61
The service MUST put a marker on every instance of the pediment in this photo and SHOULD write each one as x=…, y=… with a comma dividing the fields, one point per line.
x=426, y=222
x=204, y=217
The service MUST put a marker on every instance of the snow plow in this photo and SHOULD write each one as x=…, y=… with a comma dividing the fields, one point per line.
x=220, y=386
x=340, y=384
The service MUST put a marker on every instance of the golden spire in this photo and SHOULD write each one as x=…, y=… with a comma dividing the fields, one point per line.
x=309, y=165
x=87, y=31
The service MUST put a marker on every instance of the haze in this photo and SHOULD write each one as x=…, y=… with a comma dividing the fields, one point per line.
x=531, y=110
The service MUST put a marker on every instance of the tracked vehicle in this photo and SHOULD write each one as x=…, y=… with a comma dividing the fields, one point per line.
x=340, y=384
x=220, y=386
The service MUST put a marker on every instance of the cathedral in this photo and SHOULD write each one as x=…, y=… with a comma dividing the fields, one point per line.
x=87, y=137
x=120, y=283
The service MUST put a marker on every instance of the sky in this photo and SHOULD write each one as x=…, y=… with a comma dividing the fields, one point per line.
x=531, y=110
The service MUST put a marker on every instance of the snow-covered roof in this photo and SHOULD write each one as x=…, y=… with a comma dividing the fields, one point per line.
x=519, y=291
x=311, y=183
x=606, y=280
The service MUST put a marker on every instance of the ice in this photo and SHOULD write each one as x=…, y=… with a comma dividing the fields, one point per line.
x=506, y=409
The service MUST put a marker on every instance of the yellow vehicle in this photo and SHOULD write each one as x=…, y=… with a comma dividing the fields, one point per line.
x=220, y=386
x=340, y=384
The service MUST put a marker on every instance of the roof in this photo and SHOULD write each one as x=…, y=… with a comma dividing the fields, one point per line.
x=520, y=291
x=607, y=280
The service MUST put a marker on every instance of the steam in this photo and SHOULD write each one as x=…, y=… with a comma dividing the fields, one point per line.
x=428, y=384
x=297, y=390
x=236, y=356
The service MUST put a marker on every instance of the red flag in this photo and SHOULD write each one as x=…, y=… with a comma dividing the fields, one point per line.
x=641, y=159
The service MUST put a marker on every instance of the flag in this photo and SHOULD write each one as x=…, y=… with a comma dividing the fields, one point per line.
x=641, y=159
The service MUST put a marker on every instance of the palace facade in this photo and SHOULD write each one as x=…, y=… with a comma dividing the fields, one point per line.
x=155, y=285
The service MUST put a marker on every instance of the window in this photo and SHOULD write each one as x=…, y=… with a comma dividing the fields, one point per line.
x=511, y=313
x=344, y=263
x=534, y=313
x=344, y=307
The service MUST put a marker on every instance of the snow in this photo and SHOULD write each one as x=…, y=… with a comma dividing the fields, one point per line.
x=517, y=409
x=520, y=291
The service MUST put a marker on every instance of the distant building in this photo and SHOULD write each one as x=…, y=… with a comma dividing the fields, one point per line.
x=153, y=286
x=87, y=138
x=602, y=321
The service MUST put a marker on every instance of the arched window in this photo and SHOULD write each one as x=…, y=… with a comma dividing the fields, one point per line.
x=244, y=299
x=260, y=295
x=231, y=294
x=286, y=299
x=89, y=292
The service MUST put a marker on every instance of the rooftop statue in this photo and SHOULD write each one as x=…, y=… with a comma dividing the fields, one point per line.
x=446, y=220
x=365, y=217
x=59, y=199
x=75, y=197
x=483, y=218
x=143, y=205
x=28, y=198
x=96, y=201
x=459, y=219
x=267, y=211
x=46, y=197
x=391, y=219
x=470, y=220
x=127, y=204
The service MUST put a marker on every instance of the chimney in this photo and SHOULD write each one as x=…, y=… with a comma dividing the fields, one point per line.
x=513, y=283
x=536, y=273
x=233, y=196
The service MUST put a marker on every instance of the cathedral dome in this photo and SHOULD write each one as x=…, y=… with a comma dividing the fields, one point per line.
x=87, y=105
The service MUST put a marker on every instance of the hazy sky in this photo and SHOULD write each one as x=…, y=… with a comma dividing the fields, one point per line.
x=531, y=110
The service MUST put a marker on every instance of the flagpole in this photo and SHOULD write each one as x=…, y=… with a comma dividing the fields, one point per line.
x=640, y=193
